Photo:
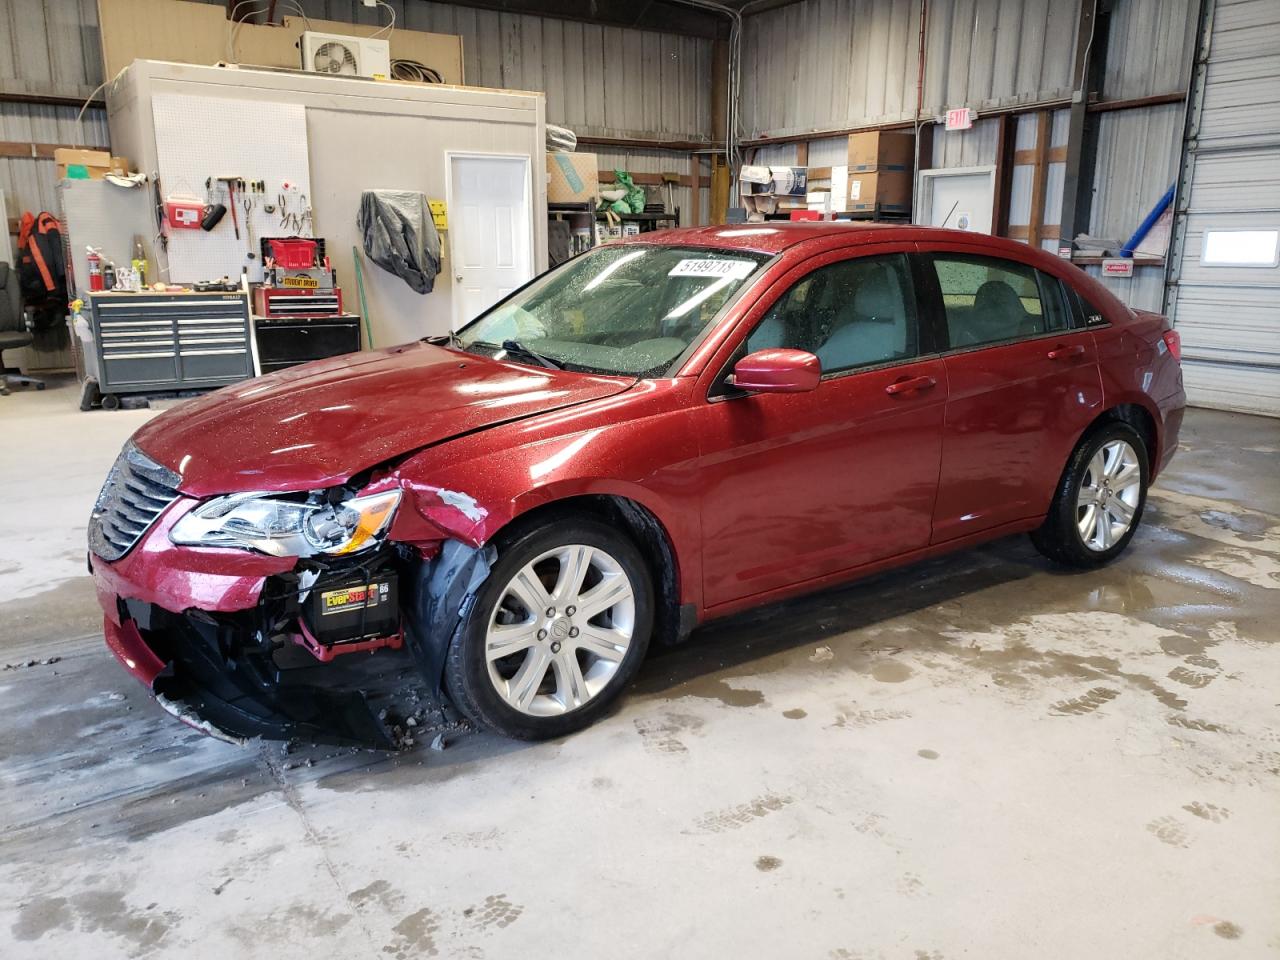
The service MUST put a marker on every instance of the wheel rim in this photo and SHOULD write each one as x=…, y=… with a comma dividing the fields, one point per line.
x=1109, y=493
x=560, y=630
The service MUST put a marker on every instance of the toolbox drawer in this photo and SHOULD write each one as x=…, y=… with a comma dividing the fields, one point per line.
x=150, y=341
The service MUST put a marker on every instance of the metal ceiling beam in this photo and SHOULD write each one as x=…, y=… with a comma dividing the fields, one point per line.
x=639, y=14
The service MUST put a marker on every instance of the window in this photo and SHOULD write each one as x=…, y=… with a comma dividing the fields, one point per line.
x=1240, y=248
x=988, y=300
x=854, y=313
x=625, y=308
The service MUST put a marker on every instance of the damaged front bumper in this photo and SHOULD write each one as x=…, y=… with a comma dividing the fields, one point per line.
x=221, y=638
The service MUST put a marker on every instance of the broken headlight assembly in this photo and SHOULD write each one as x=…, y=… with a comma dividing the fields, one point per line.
x=284, y=527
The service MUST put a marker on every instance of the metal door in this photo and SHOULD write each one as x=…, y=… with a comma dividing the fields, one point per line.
x=1224, y=290
x=491, y=230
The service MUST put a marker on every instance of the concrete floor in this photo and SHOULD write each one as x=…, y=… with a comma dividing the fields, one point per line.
x=983, y=756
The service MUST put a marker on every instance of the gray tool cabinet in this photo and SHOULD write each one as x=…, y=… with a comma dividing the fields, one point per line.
x=159, y=342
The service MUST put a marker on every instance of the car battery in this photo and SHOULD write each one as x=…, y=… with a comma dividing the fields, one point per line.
x=352, y=609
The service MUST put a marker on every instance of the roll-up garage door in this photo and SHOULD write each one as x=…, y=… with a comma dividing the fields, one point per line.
x=1224, y=295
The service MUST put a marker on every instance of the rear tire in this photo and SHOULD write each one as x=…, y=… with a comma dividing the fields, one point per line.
x=1100, y=498
x=571, y=599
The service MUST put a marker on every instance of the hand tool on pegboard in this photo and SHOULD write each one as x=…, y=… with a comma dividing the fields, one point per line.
x=231, y=183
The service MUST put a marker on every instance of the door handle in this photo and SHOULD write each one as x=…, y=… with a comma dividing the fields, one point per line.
x=911, y=383
x=1064, y=353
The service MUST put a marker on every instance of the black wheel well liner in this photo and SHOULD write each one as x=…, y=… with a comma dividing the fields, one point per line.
x=1138, y=417
x=672, y=622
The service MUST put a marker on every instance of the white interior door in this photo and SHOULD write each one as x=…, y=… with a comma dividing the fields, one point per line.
x=961, y=200
x=490, y=230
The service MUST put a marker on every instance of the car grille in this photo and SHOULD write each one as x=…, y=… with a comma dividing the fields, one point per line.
x=136, y=492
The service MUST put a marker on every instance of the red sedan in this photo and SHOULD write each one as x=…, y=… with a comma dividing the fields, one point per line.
x=657, y=433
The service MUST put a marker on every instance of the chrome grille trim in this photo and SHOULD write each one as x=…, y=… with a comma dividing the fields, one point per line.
x=136, y=492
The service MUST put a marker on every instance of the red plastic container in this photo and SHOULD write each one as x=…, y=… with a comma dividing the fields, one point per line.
x=293, y=254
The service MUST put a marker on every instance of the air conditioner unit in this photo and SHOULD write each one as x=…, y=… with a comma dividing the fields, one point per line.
x=340, y=56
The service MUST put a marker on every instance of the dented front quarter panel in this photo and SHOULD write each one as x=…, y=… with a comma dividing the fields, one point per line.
x=638, y=445
x=181, y=578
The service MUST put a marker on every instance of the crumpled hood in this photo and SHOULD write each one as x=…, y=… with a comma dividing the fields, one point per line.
x=315, y=426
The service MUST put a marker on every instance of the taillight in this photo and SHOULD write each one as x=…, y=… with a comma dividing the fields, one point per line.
x=1173, y=340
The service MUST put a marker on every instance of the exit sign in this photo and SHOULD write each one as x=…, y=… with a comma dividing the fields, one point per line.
x=960, y=118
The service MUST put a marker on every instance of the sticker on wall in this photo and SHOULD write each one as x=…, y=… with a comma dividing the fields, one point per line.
x=964, y=221
x=439, y=214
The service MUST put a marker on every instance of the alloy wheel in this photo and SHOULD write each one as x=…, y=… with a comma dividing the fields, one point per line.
x=1110, y=492
x=560, y=630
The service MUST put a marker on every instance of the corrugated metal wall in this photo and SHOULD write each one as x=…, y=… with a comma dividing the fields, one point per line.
x=834, y=64
x=659, y=161
x=601, y=81
x=1148, y=46
x=29, y=184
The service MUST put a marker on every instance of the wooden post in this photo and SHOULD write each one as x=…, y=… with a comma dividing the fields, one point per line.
x=1039, y=174
x=695, y=190
x=1004, y=175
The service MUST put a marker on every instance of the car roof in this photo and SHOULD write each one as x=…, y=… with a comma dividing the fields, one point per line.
x=776, y=236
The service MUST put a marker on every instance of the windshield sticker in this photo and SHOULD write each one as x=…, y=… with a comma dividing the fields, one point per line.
x=730, y=269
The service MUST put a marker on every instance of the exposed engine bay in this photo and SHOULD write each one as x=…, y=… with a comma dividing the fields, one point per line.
x=299, y=664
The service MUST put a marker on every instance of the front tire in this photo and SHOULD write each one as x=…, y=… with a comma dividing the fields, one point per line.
x=1099, y=501
x=557, y=630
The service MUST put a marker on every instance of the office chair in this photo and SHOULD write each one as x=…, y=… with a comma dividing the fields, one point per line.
x=13, y=332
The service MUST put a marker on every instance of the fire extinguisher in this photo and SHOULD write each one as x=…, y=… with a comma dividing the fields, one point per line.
x=95, y=269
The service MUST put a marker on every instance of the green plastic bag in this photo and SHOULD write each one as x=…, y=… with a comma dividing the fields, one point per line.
x=633, y=201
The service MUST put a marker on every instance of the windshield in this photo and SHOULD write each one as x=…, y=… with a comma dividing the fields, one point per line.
x=622, y=309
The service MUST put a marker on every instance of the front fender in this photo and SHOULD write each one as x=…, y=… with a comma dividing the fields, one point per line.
x=472, y=487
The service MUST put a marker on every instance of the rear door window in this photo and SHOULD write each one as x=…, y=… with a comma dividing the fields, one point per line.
x=989, y=300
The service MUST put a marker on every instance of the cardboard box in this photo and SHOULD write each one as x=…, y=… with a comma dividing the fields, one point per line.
x=888, y=190
x=873, y=150
x=789, y=181
x=572, y=177
x=81, y=164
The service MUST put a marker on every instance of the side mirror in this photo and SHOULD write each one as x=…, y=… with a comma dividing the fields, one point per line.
x=778, y=370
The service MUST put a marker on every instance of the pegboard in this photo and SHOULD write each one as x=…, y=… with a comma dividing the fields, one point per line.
x=202, y=137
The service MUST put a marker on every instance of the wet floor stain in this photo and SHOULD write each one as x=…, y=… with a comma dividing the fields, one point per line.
x=1190, y=678
x=891, y=671
x=720, y=690
x=927, y=754
x=795, y=713
x=1089, y=702
x=767, y=864
x=96, y=913
x=1191, y=723
x=661, y=735
x=1207, y=811
x=853, y=717
x=496, y=911
x=736, y=817
x=414, y=936
x=1227, y=930
x=1169, y=830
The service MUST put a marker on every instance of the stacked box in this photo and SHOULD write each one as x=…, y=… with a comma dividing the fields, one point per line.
x=881, y=167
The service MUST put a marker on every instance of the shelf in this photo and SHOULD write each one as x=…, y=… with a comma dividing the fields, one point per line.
x=1094, y=261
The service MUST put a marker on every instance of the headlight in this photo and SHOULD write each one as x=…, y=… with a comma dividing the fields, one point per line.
x=287, y=528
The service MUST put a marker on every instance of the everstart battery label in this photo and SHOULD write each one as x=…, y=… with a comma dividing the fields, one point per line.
x=354, y=598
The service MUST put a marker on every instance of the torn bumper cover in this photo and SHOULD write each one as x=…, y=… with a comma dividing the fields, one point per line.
x=257, y=672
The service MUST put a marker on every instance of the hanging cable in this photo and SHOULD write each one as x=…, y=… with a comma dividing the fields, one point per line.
x=386, y=31
x=415, y=71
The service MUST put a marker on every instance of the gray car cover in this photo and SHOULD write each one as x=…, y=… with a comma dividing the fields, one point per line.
x=400, y=236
